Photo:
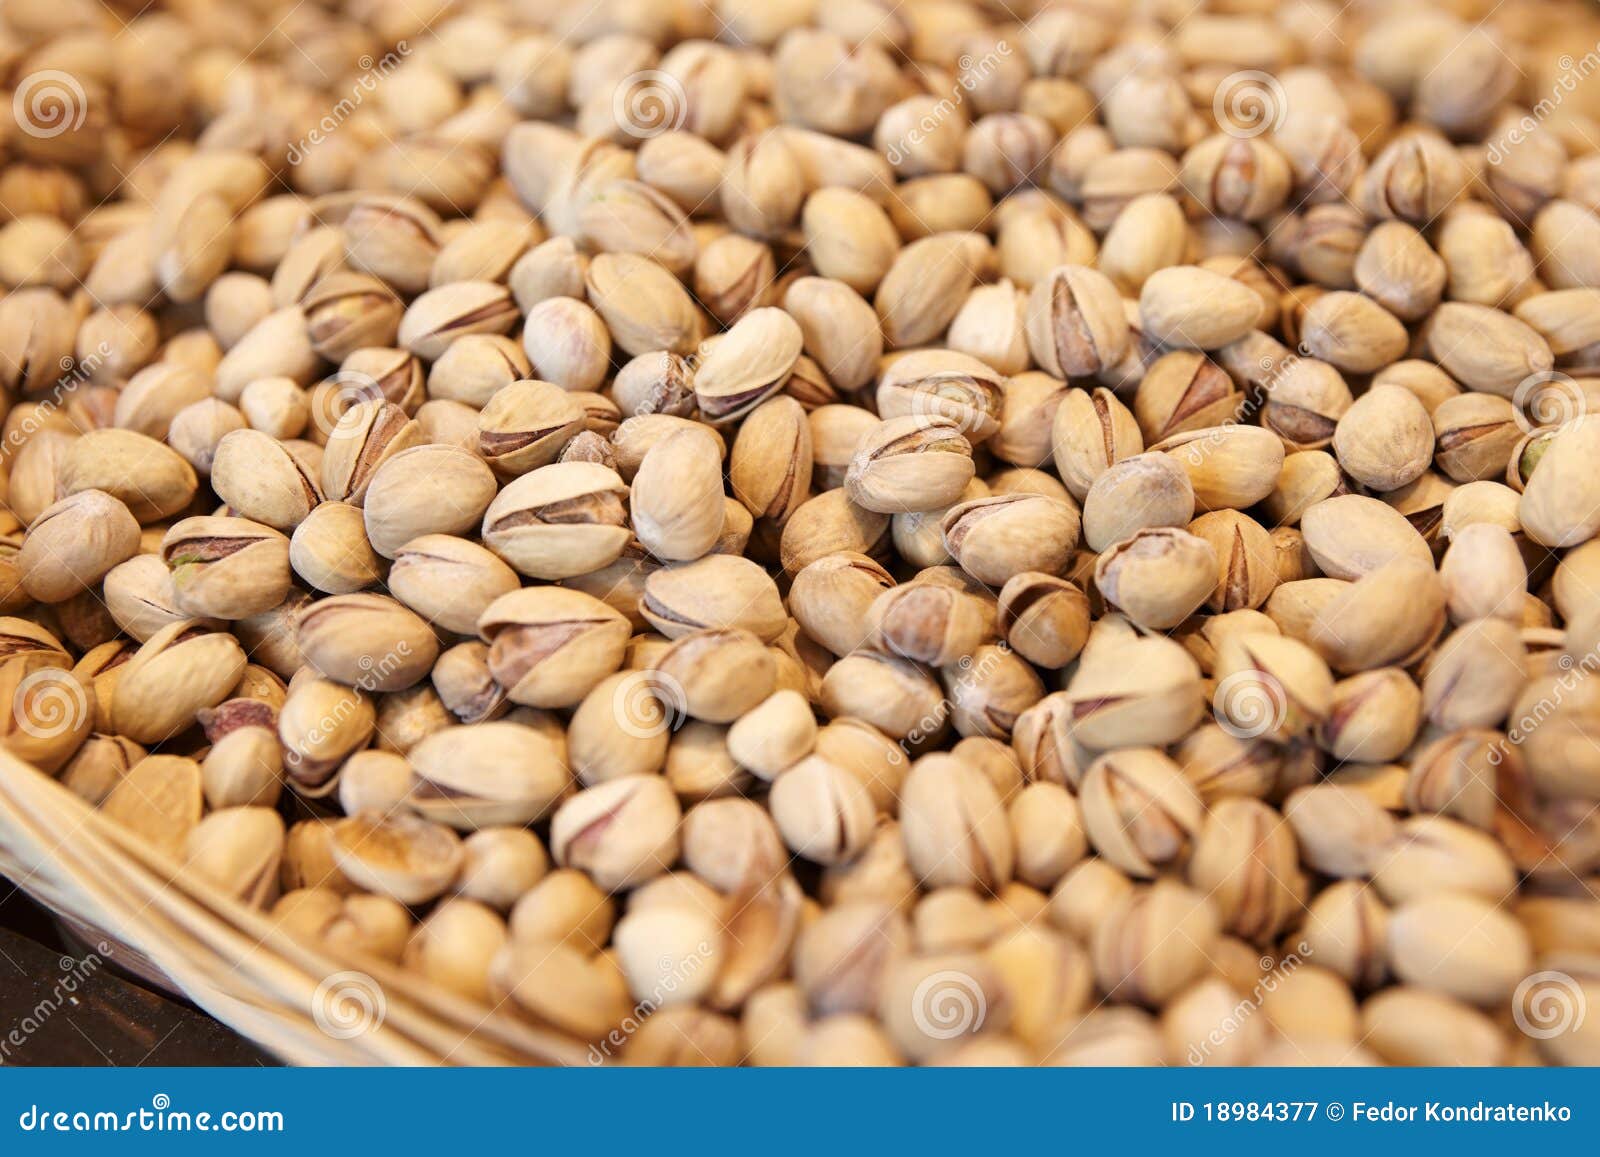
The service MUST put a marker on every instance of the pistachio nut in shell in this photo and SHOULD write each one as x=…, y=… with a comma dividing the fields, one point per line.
x=367, y=641
x=549, y=646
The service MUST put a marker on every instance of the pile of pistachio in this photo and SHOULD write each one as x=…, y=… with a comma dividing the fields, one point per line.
x=833, y=531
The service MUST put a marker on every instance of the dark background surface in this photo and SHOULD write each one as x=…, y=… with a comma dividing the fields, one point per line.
x=56, y=1010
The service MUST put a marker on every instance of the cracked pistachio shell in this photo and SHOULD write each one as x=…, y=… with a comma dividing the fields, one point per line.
x=1146, y=490
x=946, y=384
x=823, y=812
x=620, y=833
x=1351, y=535
x=401, y=856
x=1245, y=858
x=464, y=685
x=927, y=623
x=1154, y=942
x=770, y=464
x=734, y=845
x=1139, y=811
x=1045, y=745
x=449, y=581
x=719, y=591
x=989, y=690
x=226, y=568
x=716, y=674
x=1373, y=716
x=259, y=479
x=73, y=543
x=176, y=673
x=549, y=646
x=1474, y=676
x=527, y=424
x=747, y=364
x=367, y=641
x=913, y=463
x=431, y=489
x=842, y=958
x=868, y=754
x=438, y=317
x=1158, y=577
x=955, y=826
x=1142, y=691
x=1247, y=560
x=1092, y=431
x=995, y=538
x=831, y=599
x=1075, y=322
x=1043, y=618
x=476, y=367
x=485, y=775
x=366, y=436
x=560, y=521
x=50, y=713
x=1560, y=504
x=1269, y=685
x=99, y=766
